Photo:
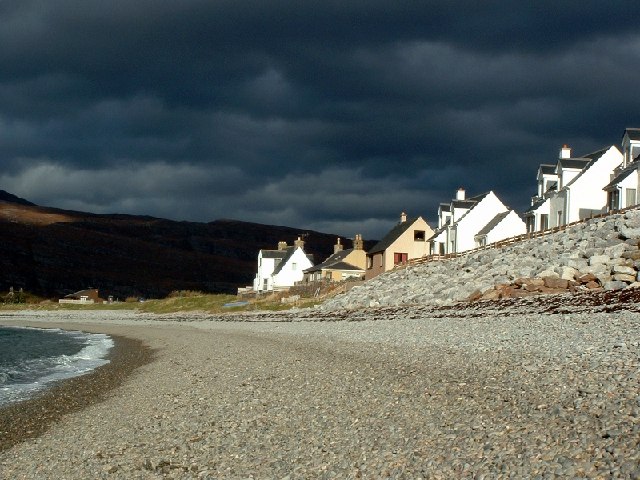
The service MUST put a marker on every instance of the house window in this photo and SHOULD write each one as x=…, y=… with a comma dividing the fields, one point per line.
x=266, y=284
x=369, y=262
x=631, y=197
x=544, y=221
x=614, y=197
x=399, y=258
x=418, y=235
x=294, y=266
x=560, y=218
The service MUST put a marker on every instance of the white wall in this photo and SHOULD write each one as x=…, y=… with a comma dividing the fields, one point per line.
x=510, y=226
x=266, y=266
x=566, y=175
x=586, y=194
x=476, y=219
x=541, y=210
x=292, y=271
x=630, y=182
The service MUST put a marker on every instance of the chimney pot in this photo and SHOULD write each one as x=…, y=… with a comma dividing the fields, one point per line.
x=403, y=217
x=282, y=245
x=358, y=243
x=299, y=243
x=337, y=247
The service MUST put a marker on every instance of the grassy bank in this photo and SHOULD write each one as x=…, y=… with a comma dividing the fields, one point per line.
x=182, y=301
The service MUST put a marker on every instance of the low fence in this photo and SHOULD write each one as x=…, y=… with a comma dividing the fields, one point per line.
x=509, y=241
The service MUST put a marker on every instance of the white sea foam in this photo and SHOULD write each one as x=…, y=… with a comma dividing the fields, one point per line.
x=44, y=371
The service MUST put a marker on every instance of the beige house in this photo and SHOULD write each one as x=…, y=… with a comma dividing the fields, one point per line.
x=406, y=241
x=342, y=265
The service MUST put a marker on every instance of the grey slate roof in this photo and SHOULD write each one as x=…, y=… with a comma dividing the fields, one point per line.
x=445, y=207
x=274, y=253
x=622, y=175
x=335, y=266
x=463, y=203
x=477, y=199
x=289, y=253
x=493, y=223
x=573, y=162
x=331, y=260
x=547, y=169
x=392, y=236
x=633, y=133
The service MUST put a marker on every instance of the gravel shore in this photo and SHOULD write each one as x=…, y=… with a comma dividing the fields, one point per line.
x=472, y=392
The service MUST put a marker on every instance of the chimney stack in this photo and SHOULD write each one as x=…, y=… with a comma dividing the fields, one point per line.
x=565, y=152
x=299, y=243
x=358, y=243
x=460, y=194
x=403, y=217
x=282, y=246
x=337, y=247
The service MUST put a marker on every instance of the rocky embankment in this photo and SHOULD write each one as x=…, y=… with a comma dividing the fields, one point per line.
x=598, y=254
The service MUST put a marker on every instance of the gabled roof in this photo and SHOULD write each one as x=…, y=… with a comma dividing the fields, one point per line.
x=345, y=266
x=633, y=133
x=331, y=260
x=478, y=199
x=575, y=163
x=593, y=158
x=493, y=223
x=274, y=253
x=463, y=203
x=624, y=173
x=334, y=266
x=392, y=236
x=289, y=251
x=547, y=169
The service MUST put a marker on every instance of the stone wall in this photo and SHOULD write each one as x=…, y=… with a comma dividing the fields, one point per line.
x=603, y=251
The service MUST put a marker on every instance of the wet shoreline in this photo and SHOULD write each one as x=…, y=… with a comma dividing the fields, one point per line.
x=31, y=418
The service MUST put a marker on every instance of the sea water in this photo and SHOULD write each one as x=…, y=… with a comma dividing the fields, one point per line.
x=32, y=359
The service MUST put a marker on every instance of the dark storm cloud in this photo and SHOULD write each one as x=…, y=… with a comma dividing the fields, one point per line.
x=333, y=116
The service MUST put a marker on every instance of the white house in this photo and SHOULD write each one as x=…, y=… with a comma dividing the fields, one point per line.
x=581, y=181
x=572, y=189
x=503, y=225
x=282, y=268
x=537, y=216
x=622, y=190
x=456, y=208
x=477, y=216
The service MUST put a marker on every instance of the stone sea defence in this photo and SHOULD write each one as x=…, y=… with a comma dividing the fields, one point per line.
x=600, y=253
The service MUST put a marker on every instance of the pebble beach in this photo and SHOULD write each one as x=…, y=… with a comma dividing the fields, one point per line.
x=410, y=393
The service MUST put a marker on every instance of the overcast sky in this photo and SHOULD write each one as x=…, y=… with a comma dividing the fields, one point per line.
x=333, y=115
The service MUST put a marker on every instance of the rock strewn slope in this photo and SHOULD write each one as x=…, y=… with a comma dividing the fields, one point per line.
x=604, y=248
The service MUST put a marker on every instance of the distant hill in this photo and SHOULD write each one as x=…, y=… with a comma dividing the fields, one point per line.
x=52, y=252
x=9, y=197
